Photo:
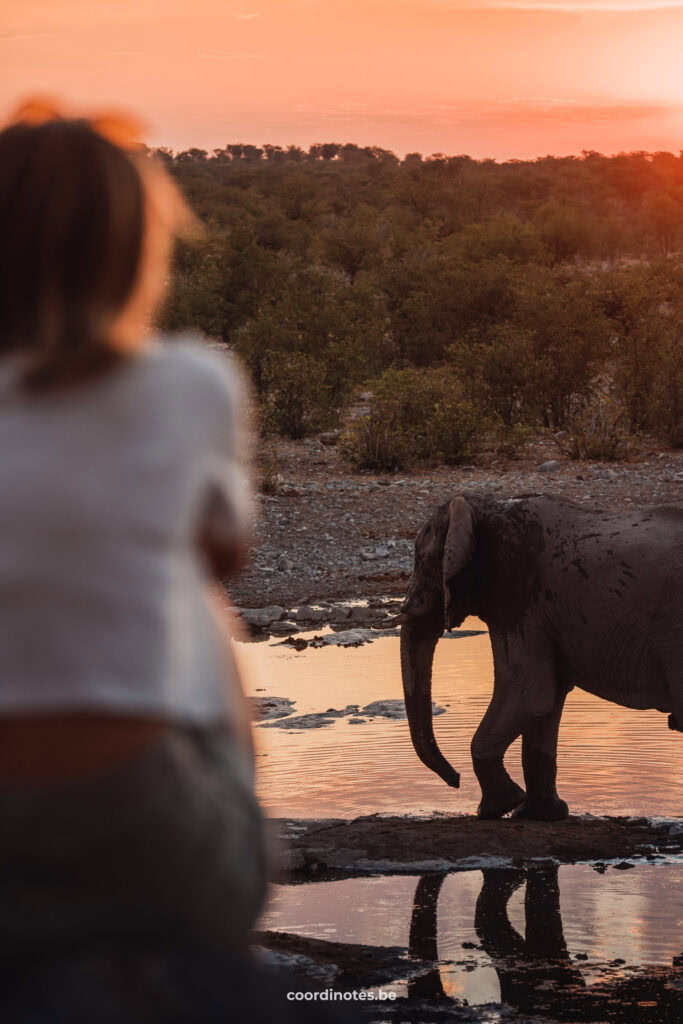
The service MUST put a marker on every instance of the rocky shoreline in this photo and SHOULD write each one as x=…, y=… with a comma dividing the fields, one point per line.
x=380, y=844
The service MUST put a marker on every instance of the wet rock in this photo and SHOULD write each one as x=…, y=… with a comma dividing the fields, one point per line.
x=268, y=709
x=261, y=617
x=341, y=638
x=315, y=720
x=361, y=613
x=284, y=628
x=623, y=866
x=297, y=642
x=393, y=709
x=339, y=612
x=305, y=613
x=551, y=466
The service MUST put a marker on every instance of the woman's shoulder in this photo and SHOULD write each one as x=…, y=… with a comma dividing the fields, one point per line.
x=207, y=373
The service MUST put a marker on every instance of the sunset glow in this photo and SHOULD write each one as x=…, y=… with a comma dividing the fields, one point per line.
x=505, y=78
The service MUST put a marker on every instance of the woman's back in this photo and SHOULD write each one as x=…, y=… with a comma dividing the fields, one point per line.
x=105, y=489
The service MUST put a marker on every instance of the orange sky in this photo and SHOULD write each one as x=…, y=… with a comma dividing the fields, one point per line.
x=501, y=78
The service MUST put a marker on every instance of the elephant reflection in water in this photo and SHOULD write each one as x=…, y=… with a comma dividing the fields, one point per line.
x=535, y=972
x=521, y=963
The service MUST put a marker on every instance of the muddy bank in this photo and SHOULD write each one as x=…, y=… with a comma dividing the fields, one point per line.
x=392, y=844
x=331, y=534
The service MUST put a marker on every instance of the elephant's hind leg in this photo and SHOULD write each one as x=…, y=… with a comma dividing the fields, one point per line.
x=539, y=762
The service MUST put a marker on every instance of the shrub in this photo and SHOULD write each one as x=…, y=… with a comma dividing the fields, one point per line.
x=499, y=374
x=270, y=477
x=416, y=417
x=295, y=399
x=599, y=431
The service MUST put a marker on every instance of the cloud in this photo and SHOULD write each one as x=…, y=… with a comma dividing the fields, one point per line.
x=225, y=55
x=246, y=17
x=19, y=37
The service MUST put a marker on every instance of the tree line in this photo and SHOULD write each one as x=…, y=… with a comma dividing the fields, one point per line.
x=517, y=296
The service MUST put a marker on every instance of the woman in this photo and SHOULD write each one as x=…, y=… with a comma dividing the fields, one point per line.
x=126, y=803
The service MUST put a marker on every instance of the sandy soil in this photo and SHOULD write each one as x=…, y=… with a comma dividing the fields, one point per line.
x=331, y=534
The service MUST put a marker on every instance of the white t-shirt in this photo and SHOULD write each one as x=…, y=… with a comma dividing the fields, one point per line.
x=104, y=489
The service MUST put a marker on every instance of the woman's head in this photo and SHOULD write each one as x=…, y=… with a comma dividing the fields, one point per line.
x=86, y=227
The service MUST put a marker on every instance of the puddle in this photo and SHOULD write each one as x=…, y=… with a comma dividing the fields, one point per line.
x=611, y=760
x=500, y=935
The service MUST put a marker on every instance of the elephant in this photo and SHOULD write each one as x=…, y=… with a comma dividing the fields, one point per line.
x=571, y=597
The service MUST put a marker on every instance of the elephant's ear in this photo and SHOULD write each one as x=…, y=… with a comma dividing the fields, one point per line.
x=459, y=545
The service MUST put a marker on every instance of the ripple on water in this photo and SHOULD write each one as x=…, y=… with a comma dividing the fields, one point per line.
x=612, y=760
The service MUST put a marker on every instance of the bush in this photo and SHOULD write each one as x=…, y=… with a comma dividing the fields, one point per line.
x=599, y=431
x=416, y=417
x=294, y=397
x=499, y=374
x=269, y=475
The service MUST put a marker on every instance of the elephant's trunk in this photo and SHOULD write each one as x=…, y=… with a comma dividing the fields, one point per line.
x=418, y=641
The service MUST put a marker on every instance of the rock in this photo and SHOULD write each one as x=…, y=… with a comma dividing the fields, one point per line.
x=261, y=617
x=339, y=612
x=381, y=552
x=393, y=709
x=341, y=638
x=285, y=564
x=307, y=614
x=330, y=437
x=360, y=612
x=266, y=709
x=551, y=466
x=284, y=628
x=357, y=721
x=368, y=554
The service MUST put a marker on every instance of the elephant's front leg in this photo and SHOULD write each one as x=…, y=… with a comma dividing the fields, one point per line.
x=500, y=726
x=539, y=762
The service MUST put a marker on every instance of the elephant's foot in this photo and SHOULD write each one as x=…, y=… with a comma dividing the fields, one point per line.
x=495, y=805
x=499, y=793
x=547, y=808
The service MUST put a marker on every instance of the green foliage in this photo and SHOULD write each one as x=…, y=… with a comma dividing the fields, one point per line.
x=646, y=308
x=532, y=282
x=333, y=331
x=295, y=399
x=499, y=373
x=416, y=416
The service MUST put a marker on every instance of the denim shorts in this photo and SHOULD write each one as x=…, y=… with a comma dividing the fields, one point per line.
x=168, y=849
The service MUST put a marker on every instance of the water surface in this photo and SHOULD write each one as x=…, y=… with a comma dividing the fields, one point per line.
x=566, y=926
x=612, y=760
